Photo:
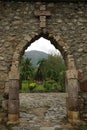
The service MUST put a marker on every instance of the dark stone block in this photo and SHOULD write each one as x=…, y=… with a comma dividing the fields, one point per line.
x=13, y=106
x=2, y=85
x=72, y=104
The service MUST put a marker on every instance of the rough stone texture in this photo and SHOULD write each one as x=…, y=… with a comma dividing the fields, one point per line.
x=66, y=29
x=42, y=110
x=83, y=109
x=69, y=21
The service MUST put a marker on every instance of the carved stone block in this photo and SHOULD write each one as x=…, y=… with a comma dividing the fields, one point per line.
x=43, y=18
x=13, y=118
x=13, y=106
x=42, y=13
x=14, y=93
x=72, y=74
x=42, y=24
x=14, y=83
x=72, y=103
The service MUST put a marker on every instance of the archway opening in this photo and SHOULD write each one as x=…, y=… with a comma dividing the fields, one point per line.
x=49, y=75
x=71, y=78
x=42, y=68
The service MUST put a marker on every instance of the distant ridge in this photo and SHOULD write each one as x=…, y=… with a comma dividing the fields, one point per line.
x=35, y=56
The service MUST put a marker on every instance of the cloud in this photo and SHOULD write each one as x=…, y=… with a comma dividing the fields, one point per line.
x=43, y=45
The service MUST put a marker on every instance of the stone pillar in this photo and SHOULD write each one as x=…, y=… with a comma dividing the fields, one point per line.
x=83, y=109
x=13, y=103
x=72, y=90
x=2, y=86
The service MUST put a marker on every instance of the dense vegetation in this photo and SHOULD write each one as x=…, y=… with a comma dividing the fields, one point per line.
x=48, y=76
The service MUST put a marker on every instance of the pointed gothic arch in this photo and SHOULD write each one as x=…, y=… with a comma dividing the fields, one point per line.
x=71, y=76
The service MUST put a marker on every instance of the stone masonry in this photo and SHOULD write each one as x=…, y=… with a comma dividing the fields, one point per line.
x=64, y=24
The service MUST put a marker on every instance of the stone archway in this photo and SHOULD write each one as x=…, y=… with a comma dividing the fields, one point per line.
x=71, y=77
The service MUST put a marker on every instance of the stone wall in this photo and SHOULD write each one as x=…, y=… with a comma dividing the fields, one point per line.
x=68, y=20
x=19, y=28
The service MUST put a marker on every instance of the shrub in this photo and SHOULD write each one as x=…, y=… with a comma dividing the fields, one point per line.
x=52, y=86
x=32, y=86
x=49, y=85
x=39, y=88
x=59, y=87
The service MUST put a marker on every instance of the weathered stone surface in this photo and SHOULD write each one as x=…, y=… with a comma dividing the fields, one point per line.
x=2, y=85
x=13, y=118
x=42, y=13
x=60, y=12
x=14, y=84
x=73, y=117
x=42, y=24
x=14, y=93
x=47, y=128
x=13, y=106
x=5, y=105
x=19, y=27
x=72, y=103
x=14, y=90
x=72, y=74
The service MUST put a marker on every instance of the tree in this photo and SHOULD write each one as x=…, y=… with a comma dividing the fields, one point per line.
x=52, y=68
x=40, y=74
x=26, y=69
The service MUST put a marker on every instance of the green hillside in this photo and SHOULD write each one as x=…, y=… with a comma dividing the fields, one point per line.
x=35, y=56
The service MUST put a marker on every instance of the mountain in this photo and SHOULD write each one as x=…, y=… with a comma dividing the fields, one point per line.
x=35, y=56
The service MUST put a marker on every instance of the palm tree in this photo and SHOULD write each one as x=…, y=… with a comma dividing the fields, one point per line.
x=26, y=69
x=40, y=74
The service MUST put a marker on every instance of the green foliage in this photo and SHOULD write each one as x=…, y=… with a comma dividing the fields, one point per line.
x=52, y=68
x=39, y=88
x=49, y=85
x=32, y=86
x=50, y=71
x=24, y=88
x=52, y=86
x=59, y=87
x=26, y=69
x=40, y=75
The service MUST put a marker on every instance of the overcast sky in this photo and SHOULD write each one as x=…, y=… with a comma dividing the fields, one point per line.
x=43, y=45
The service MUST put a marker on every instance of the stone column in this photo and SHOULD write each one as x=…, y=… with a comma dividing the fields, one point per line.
x=2, y=114
x=13, y=103
x=72, y=90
